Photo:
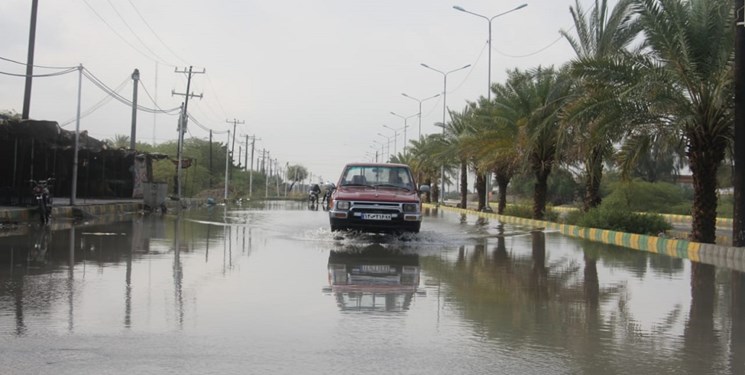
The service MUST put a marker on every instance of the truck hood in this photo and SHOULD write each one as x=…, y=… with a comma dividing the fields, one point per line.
x=362, y=193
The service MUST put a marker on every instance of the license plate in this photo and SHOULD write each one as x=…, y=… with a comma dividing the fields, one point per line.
x=375, y=268
x=377, y=216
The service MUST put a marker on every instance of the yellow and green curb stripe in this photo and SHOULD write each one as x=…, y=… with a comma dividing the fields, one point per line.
x=722, y=256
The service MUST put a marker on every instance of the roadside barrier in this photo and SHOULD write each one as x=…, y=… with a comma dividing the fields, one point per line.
x=721, y=256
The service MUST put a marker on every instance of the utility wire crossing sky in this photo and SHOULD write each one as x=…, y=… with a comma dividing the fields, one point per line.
x=315, y=81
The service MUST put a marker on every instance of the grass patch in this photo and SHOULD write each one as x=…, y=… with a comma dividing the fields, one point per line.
x=622, y=220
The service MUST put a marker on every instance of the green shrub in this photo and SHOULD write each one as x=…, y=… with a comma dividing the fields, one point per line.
x=526, y=211
x=562, y=188
x=572, y=217
x=639, y=196
x=623, y=220
x=726, y=205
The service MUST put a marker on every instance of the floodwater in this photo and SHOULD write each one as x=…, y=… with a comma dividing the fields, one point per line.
x=270, y=290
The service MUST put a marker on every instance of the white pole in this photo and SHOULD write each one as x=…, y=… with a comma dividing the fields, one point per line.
x=74, y=189
x=227, y=161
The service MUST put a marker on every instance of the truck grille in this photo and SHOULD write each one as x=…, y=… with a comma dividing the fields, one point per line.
x=376, y=207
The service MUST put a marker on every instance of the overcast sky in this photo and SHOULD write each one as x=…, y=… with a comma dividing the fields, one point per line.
x=315, y=80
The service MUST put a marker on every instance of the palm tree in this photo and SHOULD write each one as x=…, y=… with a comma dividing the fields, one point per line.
x=423, y=163
x=682, y=82
x=493, y=139
x=534, y=100
x=455, y=131
x=119, y=141
x=590, y=134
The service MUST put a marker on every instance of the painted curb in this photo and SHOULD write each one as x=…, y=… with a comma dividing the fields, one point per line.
x=721, y=256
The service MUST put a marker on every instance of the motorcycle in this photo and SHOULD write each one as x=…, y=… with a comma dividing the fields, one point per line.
x=327, y=196
x=312, y=199
x=43, y=198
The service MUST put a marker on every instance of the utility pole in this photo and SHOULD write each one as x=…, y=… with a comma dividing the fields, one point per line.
x=74, y=187
x=227, y=170
x=183, y=122
x=251, y=171
x=135, y=84
x=234, y=122
x=245, y=162
x=30, y=61
x=277, y=172
x=266, y=175
x=210, y=174
x=263, y=161
x=738, y=224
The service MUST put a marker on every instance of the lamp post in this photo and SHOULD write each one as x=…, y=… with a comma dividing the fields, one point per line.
x=488, y=20
x=382, y=149
x=406, y=119
x=420, y=108
x=388, y=143
x=444, y=107
x=395, y=138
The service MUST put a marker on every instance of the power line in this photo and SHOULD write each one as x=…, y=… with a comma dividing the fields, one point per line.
x=154, y=33
x=97, y=82
x=135, y=34
x=529, y=54
x=478, y=58
x=38, y=66
x=209, y=80
x=70, y=70
x=119, y=35
x=549, y=45
x=205, y=128
x=107, y=98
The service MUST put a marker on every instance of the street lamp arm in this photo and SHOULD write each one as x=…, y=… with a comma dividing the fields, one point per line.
x=455, y=70
x=431, y=68
x=460, y=8
x=509, y=11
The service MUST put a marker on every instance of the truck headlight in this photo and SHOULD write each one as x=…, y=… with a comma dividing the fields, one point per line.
x=411, y=207
x=342, y=205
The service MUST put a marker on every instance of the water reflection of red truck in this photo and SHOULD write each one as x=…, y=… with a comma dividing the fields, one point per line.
x=374, y=279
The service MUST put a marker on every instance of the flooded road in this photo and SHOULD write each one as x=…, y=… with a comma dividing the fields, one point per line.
x=270, y=290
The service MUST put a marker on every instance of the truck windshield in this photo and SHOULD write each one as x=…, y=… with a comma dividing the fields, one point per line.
x=376, y=176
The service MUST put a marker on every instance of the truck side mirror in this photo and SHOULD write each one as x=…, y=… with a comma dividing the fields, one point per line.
x=424, y=188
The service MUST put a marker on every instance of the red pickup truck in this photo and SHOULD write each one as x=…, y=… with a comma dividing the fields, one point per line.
x=376, y=197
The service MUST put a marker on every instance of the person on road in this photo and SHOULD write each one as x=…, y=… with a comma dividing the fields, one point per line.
x=315, y=190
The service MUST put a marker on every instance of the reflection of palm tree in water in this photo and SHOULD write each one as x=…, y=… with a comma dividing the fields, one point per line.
x=738, y=323
x=700, y=340
x=539, y=274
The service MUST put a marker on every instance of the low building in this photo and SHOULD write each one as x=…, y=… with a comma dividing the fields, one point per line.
x=33, y=149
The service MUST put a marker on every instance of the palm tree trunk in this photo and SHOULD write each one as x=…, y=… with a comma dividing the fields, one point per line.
x=704, y=159
x=503, y=179
x=593, y=176
x=481, y=189
x=428, y=195
x=540, y=192
x=463, y=184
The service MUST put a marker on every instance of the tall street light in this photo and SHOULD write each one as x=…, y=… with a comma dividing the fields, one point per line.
x=444, y=108
x=406, y=119
x=420, y=108
x=382, y=150
x=388, y=143
x=395, y=138
x=488, y=20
